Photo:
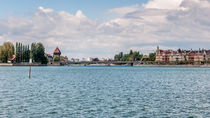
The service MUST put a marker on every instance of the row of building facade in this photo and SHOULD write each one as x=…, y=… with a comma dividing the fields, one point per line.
x=182, y=55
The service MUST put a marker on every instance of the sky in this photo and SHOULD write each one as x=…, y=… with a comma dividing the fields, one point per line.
x=91, y=8
x=103, y=28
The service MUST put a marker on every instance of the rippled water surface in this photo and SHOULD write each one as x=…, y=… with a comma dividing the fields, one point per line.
x=78, y=92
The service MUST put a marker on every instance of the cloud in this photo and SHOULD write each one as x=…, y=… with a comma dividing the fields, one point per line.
x=170, y=24
x=164, y=4
x=125, y=10
x=159, y=23
x=45, y=10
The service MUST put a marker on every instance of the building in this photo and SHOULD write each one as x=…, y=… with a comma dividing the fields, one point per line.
x=50, y=58
x=66, y=59
x=90, y=59
x=12, y=60
x=74, y=60
x=182, y=55
x=63, y=60
x=57, y=52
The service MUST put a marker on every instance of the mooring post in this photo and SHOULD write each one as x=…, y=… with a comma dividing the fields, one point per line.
x=29, y=72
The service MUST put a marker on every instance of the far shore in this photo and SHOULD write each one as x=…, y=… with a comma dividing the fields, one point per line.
x=149, y=65
x=28, y=64
x=138, y=65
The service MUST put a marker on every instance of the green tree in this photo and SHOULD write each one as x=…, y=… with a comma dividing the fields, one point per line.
x=152, y=56
x=137, y=56
x=56, y=59
x=40, y=52
x=131, y=52
x=33, y=52
x=22, y=53
x=132, y=56
x=37, y=53
x=125, y=57
x=1, y=53
x=7, y=51
x=28, y=54
x=118, y=57
x=16, y=52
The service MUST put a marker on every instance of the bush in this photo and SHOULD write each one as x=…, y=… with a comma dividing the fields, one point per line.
x=56, y=59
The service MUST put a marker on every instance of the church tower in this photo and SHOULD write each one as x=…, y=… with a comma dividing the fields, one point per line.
x=158, y=54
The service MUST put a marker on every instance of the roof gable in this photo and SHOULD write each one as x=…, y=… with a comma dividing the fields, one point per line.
x=57, y=51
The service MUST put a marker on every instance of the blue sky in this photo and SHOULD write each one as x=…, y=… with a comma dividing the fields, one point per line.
x=92, y=8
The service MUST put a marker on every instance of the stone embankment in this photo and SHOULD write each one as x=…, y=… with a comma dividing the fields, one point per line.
x=5, y=64
x=187, y=65
x=27, y=64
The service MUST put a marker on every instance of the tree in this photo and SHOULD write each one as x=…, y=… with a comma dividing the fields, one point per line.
x=1, y=53
x=116, y=57
x=22, y=53
x=137, y=56
x=28, y=54
x=56, y=59
x=16, y=52
x=132, y=56
x=40, y=52
x=125, y=57
x=7, y=51
x=152, y=56
x=44, y=60
x=33, y=52
x=131, y=52
x=37, y=53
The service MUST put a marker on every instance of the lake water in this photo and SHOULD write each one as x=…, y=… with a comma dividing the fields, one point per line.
x=82, y=92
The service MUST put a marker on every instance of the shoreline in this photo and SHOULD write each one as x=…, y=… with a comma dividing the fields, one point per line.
x=26, y=64
x=138, y=65
x=208, y=66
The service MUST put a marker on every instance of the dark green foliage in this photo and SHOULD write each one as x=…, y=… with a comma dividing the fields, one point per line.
x=44, y=60
x=119, y=56
x=22, y=53
x=132, y=56
x=152, y=56
x=37, y=53
x=33, y=52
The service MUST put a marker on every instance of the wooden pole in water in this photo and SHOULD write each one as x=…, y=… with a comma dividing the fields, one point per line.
x=29, y=72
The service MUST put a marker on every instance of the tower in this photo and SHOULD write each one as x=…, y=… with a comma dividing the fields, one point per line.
x=57, y=52
x=158, y=54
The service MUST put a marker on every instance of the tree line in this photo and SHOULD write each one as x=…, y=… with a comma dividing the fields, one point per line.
x=133, y=56
x=23, y=53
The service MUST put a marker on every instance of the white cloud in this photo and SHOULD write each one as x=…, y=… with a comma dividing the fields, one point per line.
x=135, y=28
x=125, y=10
x=45, y=10
x=163, y=4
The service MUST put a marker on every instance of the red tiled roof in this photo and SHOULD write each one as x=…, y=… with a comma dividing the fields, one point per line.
x=57, y=50
x=168, y=52
x=13, y=57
